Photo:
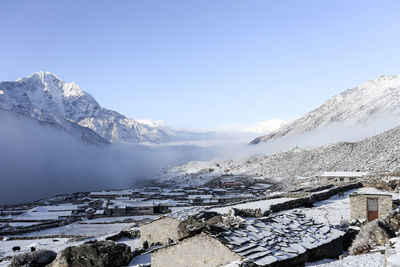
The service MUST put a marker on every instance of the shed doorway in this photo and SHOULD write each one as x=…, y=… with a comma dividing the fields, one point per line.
x=372, y=208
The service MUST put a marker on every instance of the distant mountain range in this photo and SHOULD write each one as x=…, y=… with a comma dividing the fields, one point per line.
x=44, y=97
x=368, y=106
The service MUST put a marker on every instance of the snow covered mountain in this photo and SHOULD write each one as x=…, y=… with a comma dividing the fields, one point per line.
x=368, y=109
x=380, y=153
x=46, y=98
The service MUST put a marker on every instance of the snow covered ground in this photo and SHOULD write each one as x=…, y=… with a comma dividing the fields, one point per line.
x=83, y=229
x=42, y=213
x=51, y=244
x=364, y=260
x=333, y=210
x=393, y=259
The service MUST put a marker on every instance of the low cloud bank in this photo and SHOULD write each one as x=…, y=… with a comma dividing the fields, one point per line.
x=38, y=161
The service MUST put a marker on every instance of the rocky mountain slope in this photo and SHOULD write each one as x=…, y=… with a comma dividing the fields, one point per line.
x=360, y=107
x=380, y=153
x=46, y=98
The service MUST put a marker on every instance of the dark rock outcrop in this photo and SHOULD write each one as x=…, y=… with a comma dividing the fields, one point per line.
x=94, y=254
x=394, y=219
x=207, y=221
x=349, y=237
x=375, y=233
x=131, y=234
x=255, y=213
x=39, y=258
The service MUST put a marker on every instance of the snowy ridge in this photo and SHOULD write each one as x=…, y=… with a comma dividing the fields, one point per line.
x=46, y=98
x=360, y=106
x=379, y=153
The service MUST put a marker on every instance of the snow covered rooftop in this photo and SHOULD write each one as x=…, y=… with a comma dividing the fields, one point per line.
x=112, y=193
x=371, y=191
x=149, y=203
x=344, y=174
x=200, y=196
x=277, y=237
x=219, y=190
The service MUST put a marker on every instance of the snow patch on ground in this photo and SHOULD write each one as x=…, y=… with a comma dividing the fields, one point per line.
x=370, y=260
x=83, y=229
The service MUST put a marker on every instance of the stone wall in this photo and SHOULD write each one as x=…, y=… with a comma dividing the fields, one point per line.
x=160, y=231
x=33, y=228
x=358, y=206
x=331, y=250
x=199, y=250
x=309, y=201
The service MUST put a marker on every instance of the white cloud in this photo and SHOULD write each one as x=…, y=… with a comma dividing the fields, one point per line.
x=265, y=127
x=152, y=123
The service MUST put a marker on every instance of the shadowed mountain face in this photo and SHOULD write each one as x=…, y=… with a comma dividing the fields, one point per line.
x=46, y=98
x=368, y=106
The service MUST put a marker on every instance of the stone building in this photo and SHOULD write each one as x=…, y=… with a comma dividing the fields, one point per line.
x=133, y=207
x=341, y=177
x=111, y=194
x=288, y=239
x=365, y=206
x=163, y=230
x=198, y=250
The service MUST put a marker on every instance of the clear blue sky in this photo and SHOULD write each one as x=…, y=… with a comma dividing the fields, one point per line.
x=204, y=63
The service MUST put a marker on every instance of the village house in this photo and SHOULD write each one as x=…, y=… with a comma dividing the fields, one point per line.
x=174, y=195
x=230, y=198
x=81, y=211
x=202, y=199
x=96, y=204
x=111, y=194
x=287, y=239
x=231, y=182
x=341, y=177
x=220, y=191
x=132, y=207
x=364, y=206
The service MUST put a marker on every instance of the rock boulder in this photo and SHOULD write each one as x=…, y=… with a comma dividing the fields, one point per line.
x=375, y=233
x=39, y=258
x=94, y=254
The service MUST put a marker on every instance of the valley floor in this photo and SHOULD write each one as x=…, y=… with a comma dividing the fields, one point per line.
x=333, y=211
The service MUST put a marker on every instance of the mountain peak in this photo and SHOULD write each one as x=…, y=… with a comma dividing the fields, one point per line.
x=45, y=97
x=388, y=80
x=41, y=75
